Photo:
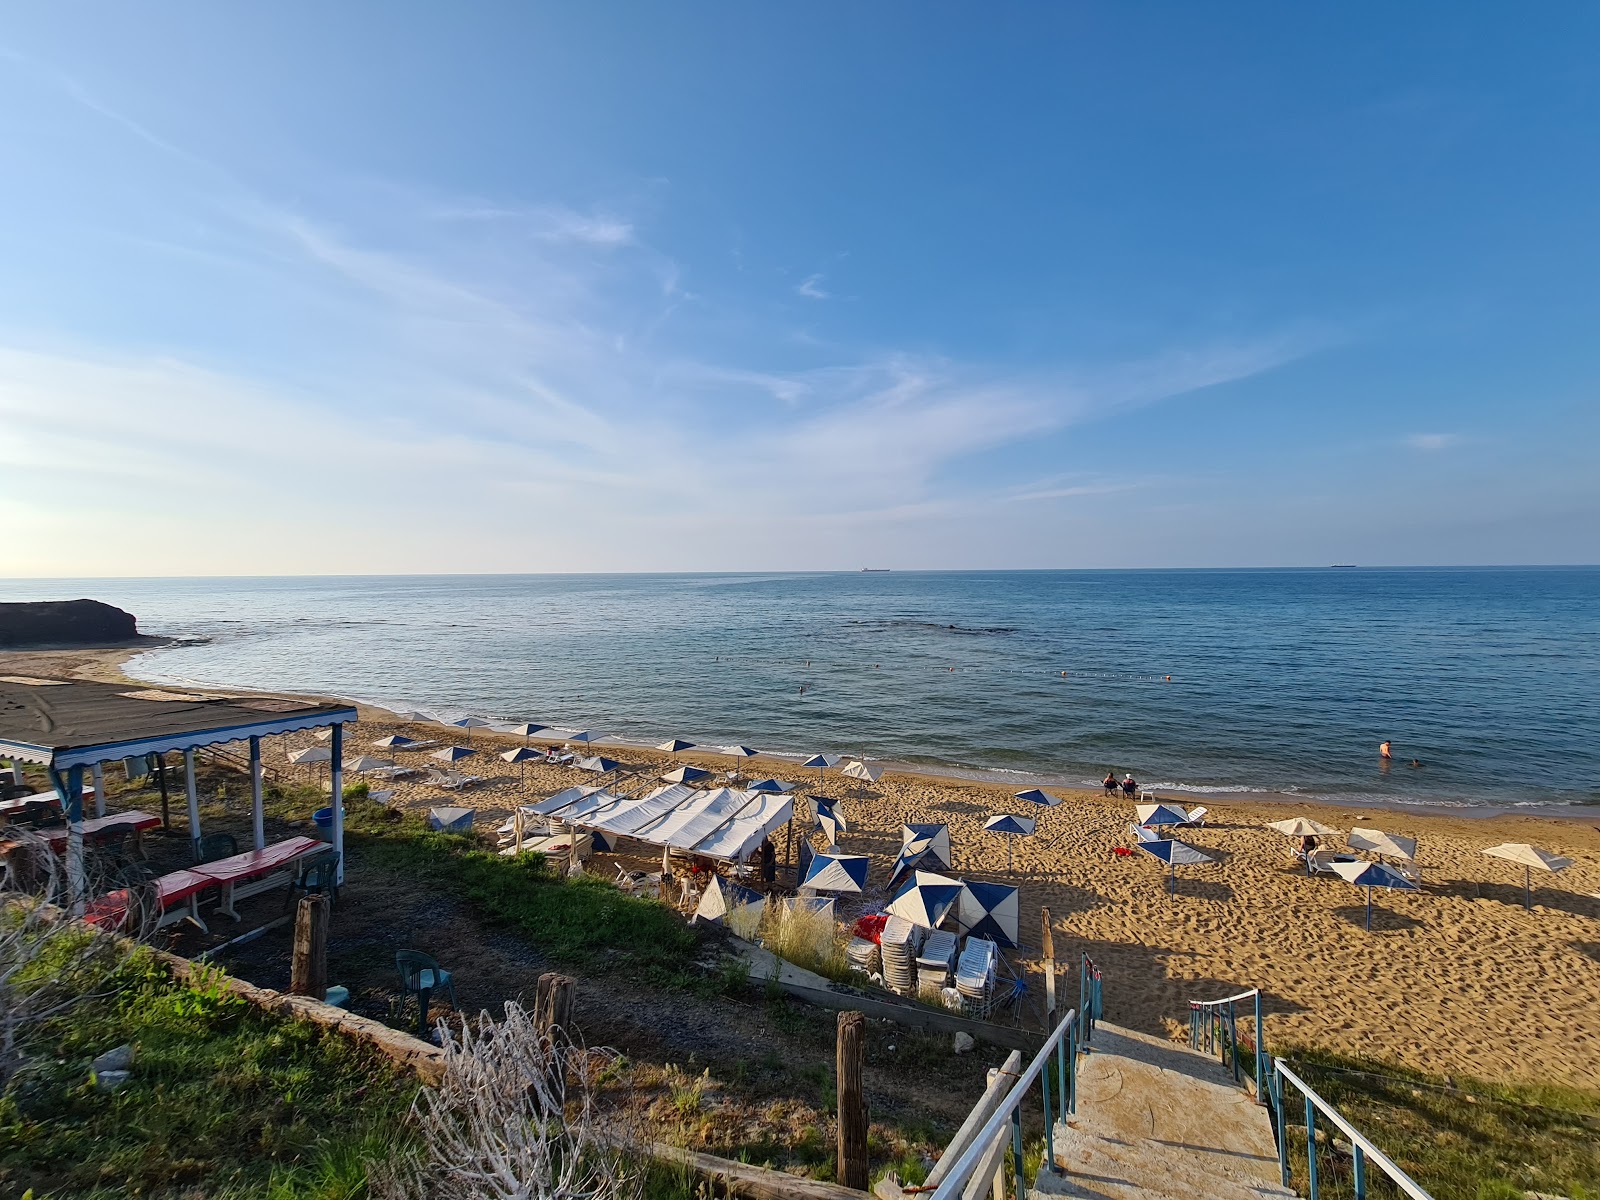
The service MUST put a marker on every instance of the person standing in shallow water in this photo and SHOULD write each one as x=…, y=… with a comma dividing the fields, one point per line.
x=1383, y=751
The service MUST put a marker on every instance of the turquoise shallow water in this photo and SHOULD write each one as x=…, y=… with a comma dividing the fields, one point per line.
x=1281, y=680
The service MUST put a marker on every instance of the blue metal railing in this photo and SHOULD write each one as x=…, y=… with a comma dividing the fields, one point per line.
x=1091, y=999
x=1362, y=1151
x=1214, y=1029
x=1055, y=1068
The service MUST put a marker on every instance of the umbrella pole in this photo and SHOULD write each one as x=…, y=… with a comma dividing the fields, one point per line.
x=1369, y=910
x=1527, y=888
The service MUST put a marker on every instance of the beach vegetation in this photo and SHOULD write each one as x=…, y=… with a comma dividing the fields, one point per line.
x=1461, y=1139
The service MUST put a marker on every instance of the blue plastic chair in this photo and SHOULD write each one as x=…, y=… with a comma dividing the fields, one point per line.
x=422, y=976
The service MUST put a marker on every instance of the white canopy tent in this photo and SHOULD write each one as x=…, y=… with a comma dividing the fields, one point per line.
x=721, y=823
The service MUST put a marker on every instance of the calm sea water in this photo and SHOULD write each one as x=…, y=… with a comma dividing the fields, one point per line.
x=1280, y=680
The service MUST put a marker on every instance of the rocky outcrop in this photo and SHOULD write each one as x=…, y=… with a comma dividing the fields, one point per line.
x=65, y=623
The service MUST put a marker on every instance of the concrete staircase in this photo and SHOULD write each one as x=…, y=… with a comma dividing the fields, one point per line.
x=1156, y=1119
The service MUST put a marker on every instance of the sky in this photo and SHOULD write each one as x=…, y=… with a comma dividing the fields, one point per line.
x=405, y=287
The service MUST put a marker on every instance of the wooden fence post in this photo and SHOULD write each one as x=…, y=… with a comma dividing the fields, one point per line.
x=309, y=972
x=852, y=1061
x=552, y=1001
x=1049, y=972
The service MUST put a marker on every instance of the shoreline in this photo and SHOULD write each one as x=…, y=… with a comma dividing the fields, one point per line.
x=108, y=663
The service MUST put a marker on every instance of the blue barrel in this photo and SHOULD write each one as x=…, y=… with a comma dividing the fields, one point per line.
x=322, y=820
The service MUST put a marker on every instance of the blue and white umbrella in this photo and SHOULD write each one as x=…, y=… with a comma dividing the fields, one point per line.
x=395, y=741
x=686, y=774
x=836, y=873
x=721, y=897
x=599, y=764
x=522, y=755
x=1370, y=875
x=451, y=754
x=989, y=910
x=1154, y=816
x=829, y=819
x=1012, y=828
x=586, y=737
x=925, y=899
x=823, y=762
x=525, y=730
x=1175, y=854
x=921, y=846
x=1039, y=796
x=673, y=745
x=736, y=753
x=469, y=724
x=771, y=787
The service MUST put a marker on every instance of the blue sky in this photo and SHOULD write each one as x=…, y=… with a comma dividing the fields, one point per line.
x=507, y=287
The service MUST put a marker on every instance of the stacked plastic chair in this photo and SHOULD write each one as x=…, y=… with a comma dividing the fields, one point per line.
x=975, y=975
x=938, y=956
x=898, y=946
x=862, y=954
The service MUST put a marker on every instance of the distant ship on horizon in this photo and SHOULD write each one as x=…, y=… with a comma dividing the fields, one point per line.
x=1344, y=566
x=875, y=570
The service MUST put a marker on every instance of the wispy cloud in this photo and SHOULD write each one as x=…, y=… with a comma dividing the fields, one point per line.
x=1432, y=443
x=811, y=288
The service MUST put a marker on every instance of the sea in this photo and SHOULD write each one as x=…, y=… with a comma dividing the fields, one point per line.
x=1207, y=682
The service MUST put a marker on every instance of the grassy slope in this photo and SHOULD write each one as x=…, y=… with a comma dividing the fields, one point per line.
x=223, y=1097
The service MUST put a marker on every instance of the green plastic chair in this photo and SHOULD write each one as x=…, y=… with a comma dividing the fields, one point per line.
x=419, y=976
x=214, y=846
x=317, y=873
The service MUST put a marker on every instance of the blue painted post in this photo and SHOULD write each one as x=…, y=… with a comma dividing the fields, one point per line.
x=1083, y=991
x=1049, y=1121
x=1061, y=1074
x=1233, y=1038
x=1016, y=1150
x=1072, y=1071
x=1359, y=1164
x=1261, y=1045
x=1311, y=1149
x=1283, y=1127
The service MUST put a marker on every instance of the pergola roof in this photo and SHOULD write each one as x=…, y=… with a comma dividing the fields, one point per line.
x=72, y=722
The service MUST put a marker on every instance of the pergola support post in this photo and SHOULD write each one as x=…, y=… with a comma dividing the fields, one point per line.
x=336, y=785
x=193, y=794
x=257, y=812
x=98, y=774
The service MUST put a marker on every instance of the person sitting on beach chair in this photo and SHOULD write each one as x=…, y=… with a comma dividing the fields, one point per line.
x=1130, y=786
x=1110, y=783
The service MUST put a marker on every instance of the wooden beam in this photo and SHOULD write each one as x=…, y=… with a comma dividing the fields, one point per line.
x=851, y=1059
x=1049, y=971
x=309, y=969
x=740, y=1181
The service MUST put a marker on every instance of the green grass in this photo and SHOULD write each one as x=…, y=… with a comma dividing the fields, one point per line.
x=1461, y=1140
x=224, y=1100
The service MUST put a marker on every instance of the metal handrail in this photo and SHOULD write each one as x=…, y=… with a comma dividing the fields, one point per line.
x=1361, y=1147
x=1209, y=1018
x=1061, y=1044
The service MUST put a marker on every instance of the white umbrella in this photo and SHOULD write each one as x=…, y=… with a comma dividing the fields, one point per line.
x=1531, y=859
x=323, y=735
x=452, y=754
x=673, y=745
x=599, y=764
x=1038, y=796
x=1371, y=875
x=1303, y=827
x=366, y=762
x=1384, y=845
x=469, y=724
x=862, y=774
x=312, y=754
x=822, y=762
x=521, y=756
x=412, y=717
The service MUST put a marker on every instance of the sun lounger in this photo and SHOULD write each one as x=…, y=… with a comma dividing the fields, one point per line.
x=453, y=781
x=1320, y=862
x=241, y=876
x=1197, y=818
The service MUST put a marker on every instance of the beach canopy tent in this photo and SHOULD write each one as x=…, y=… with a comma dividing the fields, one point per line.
x=721, y=823
x=1175, y=854
x=599, y=764
x=926, y=899
x=686, y=774
x=310, y=755
x=1011, y=828
x=1531, y=859
x=829, y=819
x=921, y=846
x=989, y=910
x=395, y=741
x=674, y=745
x=452, y=754
x=1155, y=816
x=1370, y=875
x=723, y=895
x=361, y=764
x=573, y=804
x=1303, y=827
x=66, y=725
x=774, y=786
x=837, y=873
x=1038, y=796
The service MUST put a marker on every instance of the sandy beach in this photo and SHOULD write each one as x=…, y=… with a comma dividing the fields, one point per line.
x=1457, y=978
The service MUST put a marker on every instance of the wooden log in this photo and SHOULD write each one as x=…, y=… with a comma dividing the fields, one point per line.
x=736, y=1179
x=309, y=972
x=552, y=1001
x=851, y=1048
x=1049, y=944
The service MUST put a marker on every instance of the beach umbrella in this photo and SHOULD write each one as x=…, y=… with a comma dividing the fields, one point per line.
x=1038, y=796
x=412, y=717
x=862, y=774
x=522, y=755
x=395, y=741
x=452, y=754
x=1303, y=827
x=599, y=764
x=1531, y=860
x=722, y=896
x=829, y=819
x=366, y=762
x=823, y=762
x=585, y=737
x=469, y=724
x=770, y=786
x=1012, y=828
x=1175, y=854
x=836, y=872
x=686, y=774
x=323, y=735
x=1370, y=875
x=736, y=753
x=989, y=910
x=1154, y=816
x=925, y=899
x=312, y=754
x=674, y=745
x=921, y=846
x=524, y=730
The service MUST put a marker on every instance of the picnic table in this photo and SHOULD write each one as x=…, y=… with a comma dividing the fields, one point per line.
x=241, y=876
x=178, y=894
